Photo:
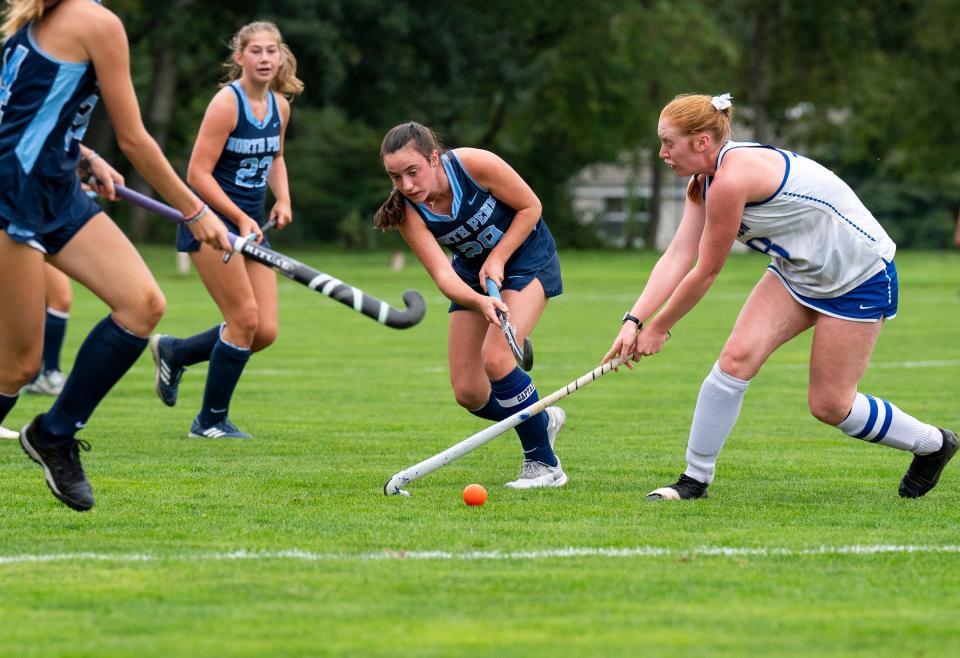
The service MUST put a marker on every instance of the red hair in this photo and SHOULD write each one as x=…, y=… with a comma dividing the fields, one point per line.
x=693, y=114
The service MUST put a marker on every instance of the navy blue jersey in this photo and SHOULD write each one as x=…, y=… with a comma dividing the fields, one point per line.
x=478, y=222
x=45, y=107
x=248, y=155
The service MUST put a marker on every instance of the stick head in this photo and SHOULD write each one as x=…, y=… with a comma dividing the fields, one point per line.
x=392, y=487
x=522, y=355
x=527, y=363
x=415, y=309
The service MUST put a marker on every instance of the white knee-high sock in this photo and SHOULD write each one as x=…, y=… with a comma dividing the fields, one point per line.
x=878, y=421
x=717, y=409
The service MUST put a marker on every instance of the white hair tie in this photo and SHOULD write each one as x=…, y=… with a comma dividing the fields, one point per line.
x=721, y=102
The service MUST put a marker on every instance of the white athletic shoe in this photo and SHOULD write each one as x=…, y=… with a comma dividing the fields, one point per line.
x=555, y=419
x=534, y=474
x=8, y=434
x=49, y=382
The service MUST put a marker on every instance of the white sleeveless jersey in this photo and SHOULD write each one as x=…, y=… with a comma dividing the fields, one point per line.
x=819, y=235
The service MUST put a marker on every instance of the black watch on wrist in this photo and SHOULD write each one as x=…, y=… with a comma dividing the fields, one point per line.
x=632, y=318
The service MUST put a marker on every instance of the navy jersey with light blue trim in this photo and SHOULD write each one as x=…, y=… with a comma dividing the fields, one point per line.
x=478, y=222
x=45, y=108
x=247, y=157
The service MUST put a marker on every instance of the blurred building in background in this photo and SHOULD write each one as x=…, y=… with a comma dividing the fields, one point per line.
x=616, y=201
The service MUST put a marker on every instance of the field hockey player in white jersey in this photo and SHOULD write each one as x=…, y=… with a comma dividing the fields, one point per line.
x=831, y=270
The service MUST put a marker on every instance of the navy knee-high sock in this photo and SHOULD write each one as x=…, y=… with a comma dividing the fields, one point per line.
x=492, y=410
x=105, y=356
x=54, y=330
x=194, y=349
x=513, y=393
x=6, y=404
x=223, y=373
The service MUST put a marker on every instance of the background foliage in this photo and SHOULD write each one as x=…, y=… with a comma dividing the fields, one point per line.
x=870, y=88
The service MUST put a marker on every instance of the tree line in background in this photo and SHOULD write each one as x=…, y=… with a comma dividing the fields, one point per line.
x=870, y=88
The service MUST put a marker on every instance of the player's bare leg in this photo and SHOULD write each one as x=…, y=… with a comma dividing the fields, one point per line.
x=838, y=360
x=769, y=318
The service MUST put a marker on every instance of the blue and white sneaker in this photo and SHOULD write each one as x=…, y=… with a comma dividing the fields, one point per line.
x=535, y=475
x=168, y=376
x=8, y=434
x=48, y=382
x=222, y=430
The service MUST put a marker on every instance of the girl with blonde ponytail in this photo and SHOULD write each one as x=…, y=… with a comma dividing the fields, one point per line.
x=286, y=81
x=237, y=155
x=58, y=59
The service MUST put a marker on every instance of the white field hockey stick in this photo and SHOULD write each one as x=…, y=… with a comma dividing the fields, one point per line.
x=427, y=466
x=523, y=356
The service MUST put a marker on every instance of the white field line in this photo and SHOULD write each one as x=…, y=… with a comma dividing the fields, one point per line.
x=469, y=556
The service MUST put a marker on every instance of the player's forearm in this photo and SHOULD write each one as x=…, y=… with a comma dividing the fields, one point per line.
x=521, y=227
x=664, y=279
x=454, y=289
x=149, y=161
x=211, y=192
x=688, y=294
x=277, y=180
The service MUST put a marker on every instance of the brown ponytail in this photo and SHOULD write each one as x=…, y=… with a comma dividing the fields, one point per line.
x=390, y=214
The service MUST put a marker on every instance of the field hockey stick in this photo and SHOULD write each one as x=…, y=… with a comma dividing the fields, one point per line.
x=394, y=485
x=323, y=283
x=524, y=357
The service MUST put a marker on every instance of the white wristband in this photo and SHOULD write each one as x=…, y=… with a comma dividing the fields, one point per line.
x=197, y=217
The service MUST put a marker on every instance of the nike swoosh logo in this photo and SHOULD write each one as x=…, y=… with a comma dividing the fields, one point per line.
x=276, y=125
x=474, y=198
x=864, y=308
x=79, y=424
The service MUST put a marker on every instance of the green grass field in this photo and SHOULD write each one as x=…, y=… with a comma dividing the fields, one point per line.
x=286, y=546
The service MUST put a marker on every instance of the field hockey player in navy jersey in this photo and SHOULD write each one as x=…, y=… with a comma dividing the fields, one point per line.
x=59, y=58
x=475, y=204
x=237, y=155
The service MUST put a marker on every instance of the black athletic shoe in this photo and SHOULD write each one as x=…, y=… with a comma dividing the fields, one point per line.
x=61, y=466
x=685, y=488
x=925, y=470
x=167, y=382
